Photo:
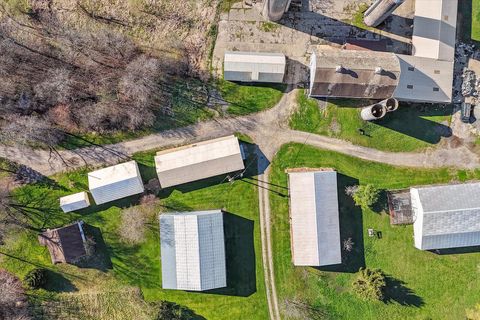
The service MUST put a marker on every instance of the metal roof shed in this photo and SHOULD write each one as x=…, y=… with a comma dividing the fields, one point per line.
x=115, y=182
x=446, y=216
x=198, y=161
x=74, y=201
x=314, y=217
x=254, y=66
x=193, y=250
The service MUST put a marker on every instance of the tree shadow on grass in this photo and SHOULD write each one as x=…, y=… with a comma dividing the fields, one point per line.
x=240, y=257
x=57, y=282
x=397, y=292
x=351, y=226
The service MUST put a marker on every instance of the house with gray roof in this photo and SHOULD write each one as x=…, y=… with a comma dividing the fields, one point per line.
x=314, y=217
x=446, y=216
x=193, y=250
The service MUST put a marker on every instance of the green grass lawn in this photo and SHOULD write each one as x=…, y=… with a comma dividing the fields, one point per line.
x=407, y=129
x=139, y=265
x=476, y=20
x=247, y=98
x=429, y=286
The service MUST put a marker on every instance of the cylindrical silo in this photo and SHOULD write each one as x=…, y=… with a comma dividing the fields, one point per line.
x=379, y=11
x=373, y=112
x=391, y=104
x=273, y=10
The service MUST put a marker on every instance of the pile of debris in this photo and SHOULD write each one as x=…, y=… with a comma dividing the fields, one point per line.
x=470, y=83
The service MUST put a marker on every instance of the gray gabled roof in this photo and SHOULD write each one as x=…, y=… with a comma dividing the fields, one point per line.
x=446, y=216
x=193, y=250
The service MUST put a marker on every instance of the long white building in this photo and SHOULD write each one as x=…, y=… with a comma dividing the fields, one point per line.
x=446, y=216
x=198, y=161
x=193, y=250
x=314, y=217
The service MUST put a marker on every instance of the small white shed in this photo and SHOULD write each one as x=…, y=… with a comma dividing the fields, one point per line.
x=74, y=201
x=254, y=67
x=115, y=182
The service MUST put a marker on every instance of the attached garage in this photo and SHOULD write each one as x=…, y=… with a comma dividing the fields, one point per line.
x=115, y=182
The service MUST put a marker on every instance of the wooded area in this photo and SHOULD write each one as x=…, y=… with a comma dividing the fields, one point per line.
x=73, y=67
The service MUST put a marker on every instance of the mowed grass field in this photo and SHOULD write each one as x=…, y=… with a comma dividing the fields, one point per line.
x=406, y=129
x=129, y=266
x=421, y=285
x=476, y=20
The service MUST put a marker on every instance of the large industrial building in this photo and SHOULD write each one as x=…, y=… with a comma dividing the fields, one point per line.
x=115, y=182
x=254, y=67
x=193, y=250
x=198, y=161
x=314, y=217
x=446, y=216
x=425, y=76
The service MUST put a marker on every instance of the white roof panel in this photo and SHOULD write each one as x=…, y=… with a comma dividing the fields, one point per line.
x=74, y=201
x=315, y=226
x=434, y=29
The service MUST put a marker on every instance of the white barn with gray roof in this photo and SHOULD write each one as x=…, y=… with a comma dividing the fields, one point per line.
x=446, y=216
x=314, y=217
x=193, y=250
x=254, y=66
x=198, y=161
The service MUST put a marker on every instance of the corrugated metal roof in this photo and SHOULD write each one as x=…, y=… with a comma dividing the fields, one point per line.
x=198, y=161
x=115, y=182
x=315, y=226
x=446, y=216
x=358, y=78
x=434, y=29
x=193, y=250
x=74, y=201
x=254, y=66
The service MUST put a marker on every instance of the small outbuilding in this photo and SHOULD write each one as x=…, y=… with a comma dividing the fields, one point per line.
x=65, y=244
x=446, y=216
x=198, y=161
x=254, y=66
x=74, y=202
x=193, y=250
x=115, y=182
x=314, y=217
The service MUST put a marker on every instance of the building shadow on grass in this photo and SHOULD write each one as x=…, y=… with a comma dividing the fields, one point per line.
x=409, y=120
x=351, y=227
x=451, y=251
x=240, y=257
x=397, y=292
x=57, y=282
x=99, y=254
x=464, y=24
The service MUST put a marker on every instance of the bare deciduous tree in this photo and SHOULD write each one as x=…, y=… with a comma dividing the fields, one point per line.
x=13, y=300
